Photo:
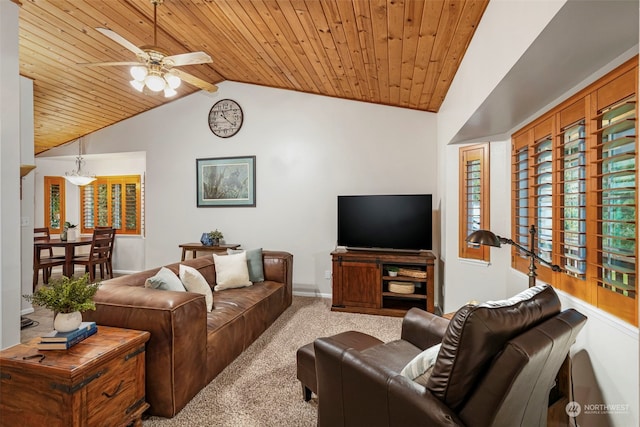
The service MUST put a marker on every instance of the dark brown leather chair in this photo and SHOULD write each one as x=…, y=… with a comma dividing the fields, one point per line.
x=496, y=365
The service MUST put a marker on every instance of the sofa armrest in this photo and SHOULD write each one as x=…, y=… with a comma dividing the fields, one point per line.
x=278, y=267
x=423, y=329
x=355, y=390
x=176, y=356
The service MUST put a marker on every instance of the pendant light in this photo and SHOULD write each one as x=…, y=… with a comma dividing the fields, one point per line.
x=77, y=176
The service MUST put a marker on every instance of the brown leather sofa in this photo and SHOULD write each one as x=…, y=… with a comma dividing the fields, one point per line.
x=188, y=346
x=496, y=366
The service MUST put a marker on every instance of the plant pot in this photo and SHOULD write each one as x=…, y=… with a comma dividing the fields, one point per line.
x=72, y=234
x=215, y=242
x=393, y=273
x=67, y=322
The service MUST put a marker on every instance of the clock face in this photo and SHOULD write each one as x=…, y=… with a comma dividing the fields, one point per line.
x=225, y=118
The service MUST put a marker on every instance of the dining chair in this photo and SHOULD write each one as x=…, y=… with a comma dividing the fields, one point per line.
x=99, y=254
x=109, y=264
x=41, y=259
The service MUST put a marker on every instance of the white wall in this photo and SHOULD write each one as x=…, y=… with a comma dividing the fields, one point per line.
x=27, y=191
x=10, y=176
x=606, y=352
x=308, y=149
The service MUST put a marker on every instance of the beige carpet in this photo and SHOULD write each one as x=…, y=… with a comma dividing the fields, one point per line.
x=260, y=387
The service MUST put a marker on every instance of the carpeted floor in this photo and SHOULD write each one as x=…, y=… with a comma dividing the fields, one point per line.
x=260, y=387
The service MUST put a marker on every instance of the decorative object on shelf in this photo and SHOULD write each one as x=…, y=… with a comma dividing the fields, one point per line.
x=392, y=270
x=70, y=232
x=226, y=182
x=154, y=69
x=206, y=240
x=411, y=272
x=67, y=298
x=211, y=238
x=215, y=237
x=76, y=176
x=402, y=287
x=486, y=237
x=225, y=118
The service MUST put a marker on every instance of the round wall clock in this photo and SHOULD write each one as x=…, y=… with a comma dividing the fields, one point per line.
x=225, y=118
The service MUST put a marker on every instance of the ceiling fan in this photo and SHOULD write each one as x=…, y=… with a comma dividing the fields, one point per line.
x=155, y=68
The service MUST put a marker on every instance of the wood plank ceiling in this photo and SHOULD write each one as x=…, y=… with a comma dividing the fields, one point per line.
x=401, y=53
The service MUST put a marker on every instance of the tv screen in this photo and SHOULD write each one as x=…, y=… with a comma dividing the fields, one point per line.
x=393, y=222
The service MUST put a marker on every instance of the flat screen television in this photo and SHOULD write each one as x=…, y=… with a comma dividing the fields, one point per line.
x=385, y=222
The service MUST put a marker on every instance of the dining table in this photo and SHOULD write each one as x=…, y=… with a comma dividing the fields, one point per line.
x=69, y=249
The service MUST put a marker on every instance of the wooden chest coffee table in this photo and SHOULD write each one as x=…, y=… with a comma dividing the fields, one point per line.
x=98, y=382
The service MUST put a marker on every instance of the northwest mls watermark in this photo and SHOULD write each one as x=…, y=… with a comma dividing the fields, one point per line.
x=573, y=409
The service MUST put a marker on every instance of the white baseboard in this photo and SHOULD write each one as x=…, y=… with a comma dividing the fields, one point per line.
x=26, y=311
x=314, y=294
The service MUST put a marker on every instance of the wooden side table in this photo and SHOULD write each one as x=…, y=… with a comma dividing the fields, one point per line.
x=98, y=382
x=195, y=247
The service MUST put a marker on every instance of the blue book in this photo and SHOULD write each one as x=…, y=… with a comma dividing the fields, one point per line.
x=55, y=336
x=68, y=344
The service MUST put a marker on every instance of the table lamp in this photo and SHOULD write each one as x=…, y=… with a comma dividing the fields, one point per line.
x=487, y=238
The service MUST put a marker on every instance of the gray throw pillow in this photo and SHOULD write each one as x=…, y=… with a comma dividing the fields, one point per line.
x=254, y=263
x=165, y=280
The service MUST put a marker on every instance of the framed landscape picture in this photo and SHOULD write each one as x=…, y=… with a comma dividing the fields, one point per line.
x=226, y=181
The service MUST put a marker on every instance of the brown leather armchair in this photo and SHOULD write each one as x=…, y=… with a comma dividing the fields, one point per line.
x=496, y=365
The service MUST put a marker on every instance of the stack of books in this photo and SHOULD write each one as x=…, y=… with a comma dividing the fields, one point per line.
x=55, y=340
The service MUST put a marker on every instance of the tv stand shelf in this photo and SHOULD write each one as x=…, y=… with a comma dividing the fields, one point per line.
x=361, y=281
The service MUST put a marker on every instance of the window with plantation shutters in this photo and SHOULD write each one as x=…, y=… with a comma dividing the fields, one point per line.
x=542, y=176
x=474, y=203
x=574, y=177
x=520, y=183
x=54, y=217
x=615, y=163
x=573, y=207
x=113, y=201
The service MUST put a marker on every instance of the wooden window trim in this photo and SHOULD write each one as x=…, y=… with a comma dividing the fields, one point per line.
x=473, y=153
x=48, y=182
x=584, y=106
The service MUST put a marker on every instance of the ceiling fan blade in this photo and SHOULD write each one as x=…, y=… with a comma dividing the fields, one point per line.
x=123, y=42
x=191, y=58
x=209, y=87
x=106, y=64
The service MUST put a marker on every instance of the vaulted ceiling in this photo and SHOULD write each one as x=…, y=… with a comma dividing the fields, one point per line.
x=401, y=53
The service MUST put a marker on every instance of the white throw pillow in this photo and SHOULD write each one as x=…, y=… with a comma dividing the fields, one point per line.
x=195, y=282
x=420, y=367
x=164, y=279
x=231, y=271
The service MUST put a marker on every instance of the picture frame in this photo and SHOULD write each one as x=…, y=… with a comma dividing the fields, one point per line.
x=226, y=182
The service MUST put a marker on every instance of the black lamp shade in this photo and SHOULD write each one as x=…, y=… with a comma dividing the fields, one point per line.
x=483, y=237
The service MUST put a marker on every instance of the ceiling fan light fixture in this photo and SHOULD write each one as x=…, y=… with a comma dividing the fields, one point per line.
x=154, y=82
x=138, y=85
x=172, y=80
x=139, y=72
x=169, y=92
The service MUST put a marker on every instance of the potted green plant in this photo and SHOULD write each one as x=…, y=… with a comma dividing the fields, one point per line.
x=215, y=237
x=393, y=270
x=67, y=297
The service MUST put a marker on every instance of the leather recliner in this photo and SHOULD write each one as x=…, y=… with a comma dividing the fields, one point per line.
x=496, y=365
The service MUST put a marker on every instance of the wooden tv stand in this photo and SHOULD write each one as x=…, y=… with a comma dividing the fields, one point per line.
x=361, y=281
